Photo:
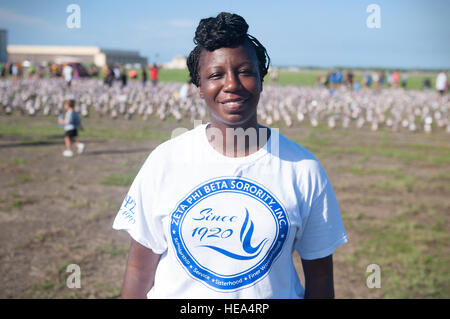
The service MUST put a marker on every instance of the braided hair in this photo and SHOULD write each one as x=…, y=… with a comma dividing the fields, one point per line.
x=226, y=30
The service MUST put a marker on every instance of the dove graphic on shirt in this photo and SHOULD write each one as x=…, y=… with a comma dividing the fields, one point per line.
x=245, y=237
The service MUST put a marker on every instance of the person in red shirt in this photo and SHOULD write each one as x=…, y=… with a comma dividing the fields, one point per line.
x=395, y=78
x=154, y=74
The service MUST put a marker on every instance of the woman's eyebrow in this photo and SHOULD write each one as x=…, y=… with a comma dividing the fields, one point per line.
x=219, y=66
x=250, y=63
x=213, y=68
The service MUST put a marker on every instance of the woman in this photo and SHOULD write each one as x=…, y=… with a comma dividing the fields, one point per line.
x=217, y=211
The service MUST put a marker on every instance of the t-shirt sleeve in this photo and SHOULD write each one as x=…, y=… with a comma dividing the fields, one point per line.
x=68, y=118
x=323, y=228
x=137, y=216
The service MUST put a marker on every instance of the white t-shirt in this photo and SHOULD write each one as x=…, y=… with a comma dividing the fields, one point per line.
x=227, y=227
x=67, y=72
x=441, y=81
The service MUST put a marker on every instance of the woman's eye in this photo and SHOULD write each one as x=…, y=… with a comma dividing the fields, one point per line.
x=215, y=75
x=246, y=72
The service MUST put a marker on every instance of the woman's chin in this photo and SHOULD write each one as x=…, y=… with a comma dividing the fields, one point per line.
x=232, y=120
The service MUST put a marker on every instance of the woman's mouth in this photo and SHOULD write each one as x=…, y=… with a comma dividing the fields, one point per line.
x=233, y=105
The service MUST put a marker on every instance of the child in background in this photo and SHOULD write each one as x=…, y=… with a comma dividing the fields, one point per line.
x=71, y=122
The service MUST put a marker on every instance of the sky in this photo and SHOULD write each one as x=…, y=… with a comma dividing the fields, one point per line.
x=412, y=34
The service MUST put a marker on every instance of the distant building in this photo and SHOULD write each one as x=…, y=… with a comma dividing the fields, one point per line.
x=124, y=57
x=3, y=44
x=178, y=62
x=64, y=54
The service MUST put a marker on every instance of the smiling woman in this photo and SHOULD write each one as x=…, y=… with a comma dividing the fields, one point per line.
x=225, y=221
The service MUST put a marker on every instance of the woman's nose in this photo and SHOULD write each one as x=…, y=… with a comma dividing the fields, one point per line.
x=232, y=82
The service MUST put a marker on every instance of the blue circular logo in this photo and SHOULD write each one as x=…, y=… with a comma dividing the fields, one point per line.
x=227, y=232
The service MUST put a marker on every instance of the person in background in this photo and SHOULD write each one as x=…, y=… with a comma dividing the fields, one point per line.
x=404, y=80
x=349, y=80
x=427, y=84
x=154, y=74
x=376, y=80
x=68, y=74
x=53, y=70
x=117, y=72
x=14, y=71
x=123, y=77
x=367, y=80
x=71, y=122
x=395, y=78
x=32, y=71
x=144, y=76
x=382, y=79
x=441, y=82
x=327, y=81
x=75, y=71
x=109, y=78
x=390, y=79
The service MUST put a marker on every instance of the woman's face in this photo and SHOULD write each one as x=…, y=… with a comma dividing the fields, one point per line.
x=230, y=84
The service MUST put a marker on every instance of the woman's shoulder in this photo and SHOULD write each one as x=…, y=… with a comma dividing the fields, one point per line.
x=309, y=172
x=290, y=150
x=292, y=153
